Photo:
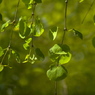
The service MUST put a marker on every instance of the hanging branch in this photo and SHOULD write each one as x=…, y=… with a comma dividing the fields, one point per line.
x=65, y=29
x=32, y=16
x=65, y=20
x=88, y=11
x=13, y=23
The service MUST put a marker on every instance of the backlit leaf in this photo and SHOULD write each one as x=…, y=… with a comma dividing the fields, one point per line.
x=57, y=73
x=26, y=45
x=53, y=33
x=38, y=28
x=93, y=42
x=6, y=24
x=1, y=67
x=77, y=33
x=65, y=58
x=1, y=51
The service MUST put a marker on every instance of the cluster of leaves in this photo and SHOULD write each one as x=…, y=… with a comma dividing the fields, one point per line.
x=59, y=55
x=26, y=32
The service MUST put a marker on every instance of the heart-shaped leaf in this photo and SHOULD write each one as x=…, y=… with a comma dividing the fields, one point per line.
x=56, y=73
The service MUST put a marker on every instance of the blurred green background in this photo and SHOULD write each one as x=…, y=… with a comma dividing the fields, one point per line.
x=28, y=79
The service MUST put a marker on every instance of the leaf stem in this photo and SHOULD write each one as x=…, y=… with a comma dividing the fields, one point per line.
x=65, y=20
x=33, y=19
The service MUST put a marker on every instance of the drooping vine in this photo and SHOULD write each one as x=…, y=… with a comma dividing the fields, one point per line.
x=5, y=51
x=28, y=29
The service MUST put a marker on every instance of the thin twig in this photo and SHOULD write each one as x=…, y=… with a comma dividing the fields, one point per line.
x=32, y=22
x=65, y=20
x=88, y=11
x=16, y=10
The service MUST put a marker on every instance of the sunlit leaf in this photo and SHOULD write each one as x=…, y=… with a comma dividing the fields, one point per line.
x=39, y=54
x=6, y=24
x=65, y=58
x=56, y=49
x=53, y=33
x=77, y=33
x=1, y=67
x=1, y=17
x=57, y=73
x=93, y=42
x=26, y=45
x=38, y=28
x=1, y=51
x=33, y=59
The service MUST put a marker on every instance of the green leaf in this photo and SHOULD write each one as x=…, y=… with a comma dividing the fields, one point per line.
x=24, y=30
x=39, y=54
x=65, y=58
x=94, y=19
x=38, y=1
x=65, y=47
x=56, y=49
x=1, y=51
x=26, y=45
x=57, y=73
x=6, y=24
x=38, y=28
x=17, y=56
x=93, y=42
x=1, y=1
x=1, y=67
x=1, y=17
x=77, y=33
x=53, y=33
x=22, y=26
